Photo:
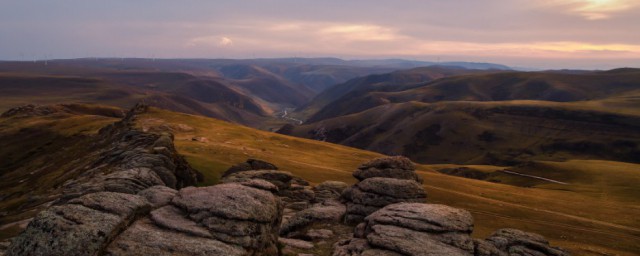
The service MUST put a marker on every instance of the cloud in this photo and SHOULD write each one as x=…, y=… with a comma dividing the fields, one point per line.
x=327, y=31
x=360, y=32
x=569, y=50
x=594, y=9
x=225, y=41
x=220, y=41
x=280, y=38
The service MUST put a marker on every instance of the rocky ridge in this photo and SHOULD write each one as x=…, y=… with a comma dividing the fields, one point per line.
x=138, y=199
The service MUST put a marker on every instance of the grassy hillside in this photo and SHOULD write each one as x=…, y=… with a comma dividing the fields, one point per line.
x=502, y=86
x=595, y=214
x=504, y=133
x=330, y=102
x=175, y=91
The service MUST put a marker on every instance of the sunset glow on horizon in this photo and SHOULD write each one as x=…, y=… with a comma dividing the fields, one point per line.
x=516, y=32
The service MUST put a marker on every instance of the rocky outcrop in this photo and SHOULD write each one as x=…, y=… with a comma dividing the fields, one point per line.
x=132, y=161
x=389, y=201
x=419, y=229
x=195, y=221
x=329, y=190
x=415, y=229
x=136, y=199
x=518, y=242
x=294, y=191
x=227, y=219
x=312, y=215
x=280, y=179
x=250, y=164
x=397, y=167
x=84, y=226
x=326, y=212
x=383, y=181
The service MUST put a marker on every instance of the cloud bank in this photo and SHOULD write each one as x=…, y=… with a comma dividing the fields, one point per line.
x=546, y=33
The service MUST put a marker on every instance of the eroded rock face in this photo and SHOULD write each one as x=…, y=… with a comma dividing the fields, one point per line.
x=328, y=190
x=135, y=199
x=371, y=194
x=419, y=229
x=234, y=213
x=227, y=219
x=415, y=229
x=84, y=226
x=383, y=181
x=158, y=195
x=250, y=164
x=517, y=242
x=132, y=161
x=397, y=167
x=281, y=179
x=326, y=212
x=388, y=203
x=146, y=238
x=294, y=191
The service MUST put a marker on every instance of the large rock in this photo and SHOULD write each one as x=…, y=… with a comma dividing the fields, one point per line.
x=517, y=242
x=417, y=229
x=413, y=229
x=250, y=164
x=397, y=167
x=84, y=226
x=371, y=194
x=293, y=190
x=146, y=238
x=326, y=212
x=158, y=195
x=433, y=224
x=227, y=219
x=281, y=179
x=234, y=213
x=131, y=165
x=433, y=218
x=329, y=190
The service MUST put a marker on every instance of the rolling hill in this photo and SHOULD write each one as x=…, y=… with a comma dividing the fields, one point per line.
x=489, y=118
x=502, y=133
x=593, y=213
x=179, y=92
x=250, y=92
x=336, y=99
x=496, y=86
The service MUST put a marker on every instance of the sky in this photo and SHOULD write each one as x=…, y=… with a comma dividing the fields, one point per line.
x=585, y=34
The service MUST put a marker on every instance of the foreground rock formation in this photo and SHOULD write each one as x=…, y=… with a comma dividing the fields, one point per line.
x=405, y=225
x=382, y=182
x=137, y=201
x=138, y=198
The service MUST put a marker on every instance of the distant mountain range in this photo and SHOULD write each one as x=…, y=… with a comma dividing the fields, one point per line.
x=249, y=91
